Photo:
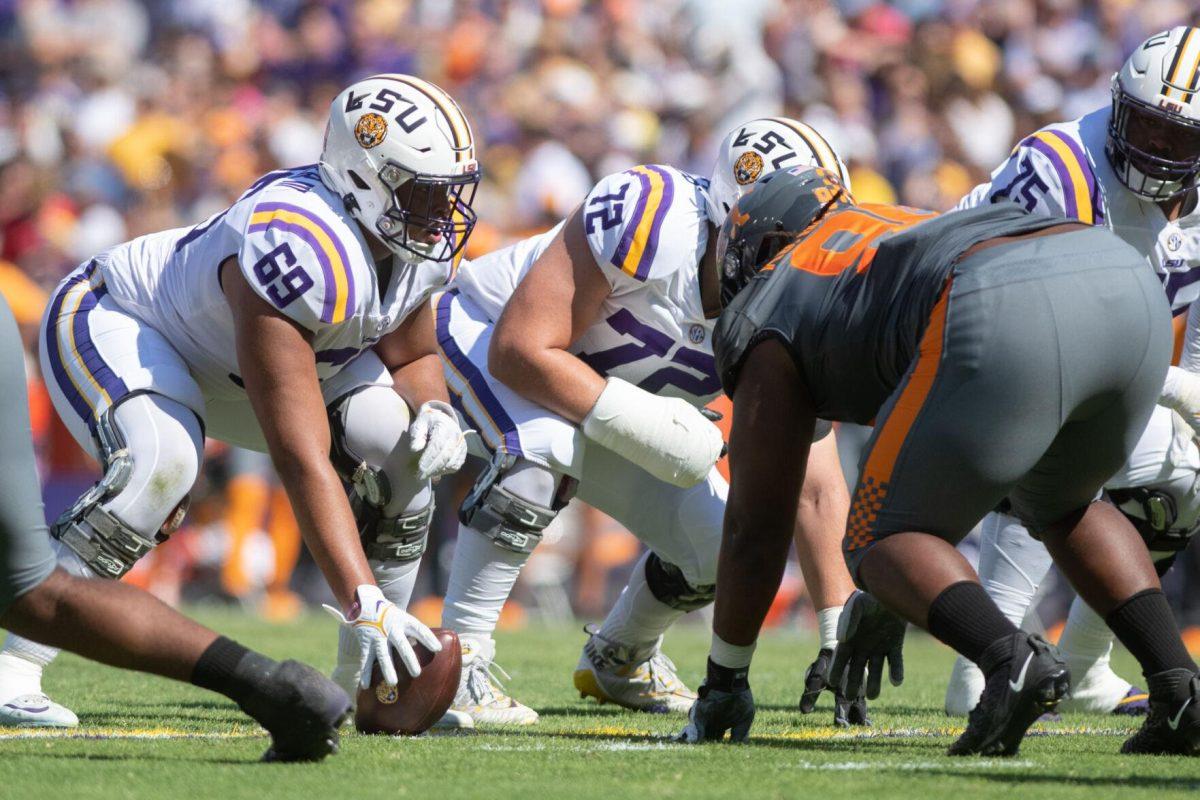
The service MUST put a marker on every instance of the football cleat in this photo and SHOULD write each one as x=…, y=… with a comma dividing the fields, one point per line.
x=480, y=695
x=640, y=678
x=1173, y=725
x=846, y=712
x=36, y=711
x=301, y=709
x=454, y=721
x=1135, y=703
x=1034, y=681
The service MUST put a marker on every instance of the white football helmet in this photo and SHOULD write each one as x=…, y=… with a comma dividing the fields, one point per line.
x=400, y=153
x=1154, y=131
x=760, y=147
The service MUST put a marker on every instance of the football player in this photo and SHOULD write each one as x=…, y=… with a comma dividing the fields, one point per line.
x=990, y=349
x=125, y=627
x=256, y=327
x=583, y=357
x=1131, y=167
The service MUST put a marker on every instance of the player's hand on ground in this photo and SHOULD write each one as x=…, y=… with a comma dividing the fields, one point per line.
x=377, y=622
x=868, y=635
x=436, y=435
x=846, y=711
x=716, y=712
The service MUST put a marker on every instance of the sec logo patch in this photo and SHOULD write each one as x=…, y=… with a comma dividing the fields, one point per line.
x=696, y=334
x=747, y=168
x=370, y=130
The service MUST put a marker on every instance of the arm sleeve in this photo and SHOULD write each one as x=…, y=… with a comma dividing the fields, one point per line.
x=295, y=261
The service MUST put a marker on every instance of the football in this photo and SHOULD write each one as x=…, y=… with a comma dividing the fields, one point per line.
x=414, y=704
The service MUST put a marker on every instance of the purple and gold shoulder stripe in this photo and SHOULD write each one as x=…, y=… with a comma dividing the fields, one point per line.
x=327, y=247
x=635, y=252
x=1081, y=196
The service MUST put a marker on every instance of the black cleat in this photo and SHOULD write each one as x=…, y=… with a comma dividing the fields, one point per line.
x=846, y=712
x=1031, y=679
x=1173, y=725
x=301, y=709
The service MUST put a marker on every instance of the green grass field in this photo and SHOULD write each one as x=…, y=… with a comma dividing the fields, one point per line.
x=146, y=737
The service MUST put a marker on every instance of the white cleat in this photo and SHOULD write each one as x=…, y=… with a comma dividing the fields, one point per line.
x=36, y=711
x=639, y=678
x=480, y=696
x=454, y=721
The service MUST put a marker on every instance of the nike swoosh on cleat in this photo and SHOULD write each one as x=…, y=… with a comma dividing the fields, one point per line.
x=1019, y=683
x=1174, y=721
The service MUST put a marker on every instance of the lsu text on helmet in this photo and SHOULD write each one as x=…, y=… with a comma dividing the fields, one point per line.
x=400, y=153
x=760, y=147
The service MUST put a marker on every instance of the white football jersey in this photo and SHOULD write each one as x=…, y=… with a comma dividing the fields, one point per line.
x=1061, y=170
x=300, y=251
x=648, y=230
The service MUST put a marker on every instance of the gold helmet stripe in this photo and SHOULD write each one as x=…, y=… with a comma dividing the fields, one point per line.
x=464, y=143
x=816, y=143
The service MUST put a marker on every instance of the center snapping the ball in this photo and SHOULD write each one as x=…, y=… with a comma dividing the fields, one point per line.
x=414, y=704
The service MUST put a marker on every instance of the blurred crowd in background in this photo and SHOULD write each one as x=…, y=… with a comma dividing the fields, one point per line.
x=119, y=118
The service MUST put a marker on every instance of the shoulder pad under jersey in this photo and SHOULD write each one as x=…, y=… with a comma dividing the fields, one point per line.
x=1049, y=172
x=302, y=257
x=645, y=223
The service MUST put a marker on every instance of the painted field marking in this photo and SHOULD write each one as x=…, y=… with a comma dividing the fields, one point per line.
x=123, y=733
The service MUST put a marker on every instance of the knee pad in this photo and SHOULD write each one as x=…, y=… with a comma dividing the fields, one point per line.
x=397, y=538
x=101, y=538
x=1165, y=515
x=670, y=587
x=510, y=520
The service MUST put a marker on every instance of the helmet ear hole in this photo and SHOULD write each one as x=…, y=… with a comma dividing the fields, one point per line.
x=358, y=181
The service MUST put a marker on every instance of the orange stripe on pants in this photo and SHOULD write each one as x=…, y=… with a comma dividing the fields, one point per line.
x=891, y=434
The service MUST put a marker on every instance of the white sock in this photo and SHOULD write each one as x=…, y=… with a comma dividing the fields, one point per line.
x=396, y=580
x=1086, y=644
x=638, y=617
x=482, y=576
x=1086, y=638
x=21, y=665
x=732, y=656
x=827, y=622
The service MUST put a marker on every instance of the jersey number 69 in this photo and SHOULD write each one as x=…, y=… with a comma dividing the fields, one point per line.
x=283, y=285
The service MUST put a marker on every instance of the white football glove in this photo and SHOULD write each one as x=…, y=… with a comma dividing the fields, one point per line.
x=1181, y=393
x=436, y=436
x=666, y=436
x=376, y=622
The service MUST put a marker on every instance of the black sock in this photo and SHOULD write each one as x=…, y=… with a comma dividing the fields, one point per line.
x=1144, y=624
x=234, y=671
x=964, y=617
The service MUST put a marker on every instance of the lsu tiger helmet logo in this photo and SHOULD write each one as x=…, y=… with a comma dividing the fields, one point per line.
x=370, y=130
x=748, y=167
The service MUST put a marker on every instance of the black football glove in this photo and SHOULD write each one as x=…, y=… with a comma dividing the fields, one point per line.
x=846, y=712
x=730, y=708
x=868, y=635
